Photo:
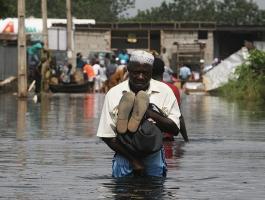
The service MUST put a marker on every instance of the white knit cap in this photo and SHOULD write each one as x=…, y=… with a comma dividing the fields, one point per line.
x=142, y=57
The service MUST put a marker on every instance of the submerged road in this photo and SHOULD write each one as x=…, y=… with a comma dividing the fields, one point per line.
x=50, y=151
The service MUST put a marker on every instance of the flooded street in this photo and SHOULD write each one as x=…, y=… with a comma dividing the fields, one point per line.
x=50, y=151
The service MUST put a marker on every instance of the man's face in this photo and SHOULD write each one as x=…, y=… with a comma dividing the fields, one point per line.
x=139, y=76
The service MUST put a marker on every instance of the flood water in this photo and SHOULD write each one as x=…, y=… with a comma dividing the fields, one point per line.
x=50, y=150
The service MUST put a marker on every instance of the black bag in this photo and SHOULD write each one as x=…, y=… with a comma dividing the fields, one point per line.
x=146, y=140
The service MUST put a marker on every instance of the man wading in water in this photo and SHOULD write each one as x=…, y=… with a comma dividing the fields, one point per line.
x=133, y=96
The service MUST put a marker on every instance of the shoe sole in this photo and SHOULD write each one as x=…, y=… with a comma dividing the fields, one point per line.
x=140, y=106
x=124, y=109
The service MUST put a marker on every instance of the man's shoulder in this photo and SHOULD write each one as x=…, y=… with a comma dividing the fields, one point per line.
x=160, y=86
x=118, y=88
x=158, y=83
x=175, y=90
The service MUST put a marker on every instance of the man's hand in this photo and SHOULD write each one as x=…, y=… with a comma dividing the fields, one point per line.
x=138, y=167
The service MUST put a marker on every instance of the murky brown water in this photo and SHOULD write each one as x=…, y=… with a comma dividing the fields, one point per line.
x=50, y=151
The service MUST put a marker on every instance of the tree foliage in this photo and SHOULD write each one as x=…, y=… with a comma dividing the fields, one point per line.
x=234, y=12
x=8, y=8
x=100, y=10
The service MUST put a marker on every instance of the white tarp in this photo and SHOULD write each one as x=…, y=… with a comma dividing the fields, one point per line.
x=194, y=86
x=33, y=27
x=260, y=45
x=222, y=72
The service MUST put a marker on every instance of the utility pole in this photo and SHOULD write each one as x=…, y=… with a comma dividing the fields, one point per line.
x=44, y=23
x=69, y=32
x=45, y=52
x=22, y=63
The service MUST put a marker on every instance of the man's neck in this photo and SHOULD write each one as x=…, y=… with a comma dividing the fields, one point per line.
x=136, y=90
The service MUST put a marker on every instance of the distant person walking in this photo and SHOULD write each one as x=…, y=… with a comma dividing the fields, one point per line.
x=89, y=76
x=96, y=67
x=165, y=57
x=184, y=74
x=123, y=56
x=102, y=79
x=34, y=62
x=79, y=61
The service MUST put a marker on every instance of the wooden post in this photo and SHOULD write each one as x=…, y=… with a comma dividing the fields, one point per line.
x=22, y=62
x=202, y=60
x=148, y=40
x=69, y=32
x=45, y=54
x=44, y=23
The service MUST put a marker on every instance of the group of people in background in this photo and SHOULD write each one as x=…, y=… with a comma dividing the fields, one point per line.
x=101, y=74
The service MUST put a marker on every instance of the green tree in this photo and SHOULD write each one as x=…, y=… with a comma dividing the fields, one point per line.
x=180, y=10
x=8, y=8
x=100, y=10
x=234, y=12
x=238, y=12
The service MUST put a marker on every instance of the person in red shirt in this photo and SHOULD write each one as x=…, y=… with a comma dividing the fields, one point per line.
x=157, y=74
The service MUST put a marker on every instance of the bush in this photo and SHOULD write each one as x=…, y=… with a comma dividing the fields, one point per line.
x=250, y=82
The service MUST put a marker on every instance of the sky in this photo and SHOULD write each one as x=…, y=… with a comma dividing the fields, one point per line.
x=147, y=4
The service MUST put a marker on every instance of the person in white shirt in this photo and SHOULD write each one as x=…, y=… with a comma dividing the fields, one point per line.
x=165, y=57
x=139, y=79
x=96, y=68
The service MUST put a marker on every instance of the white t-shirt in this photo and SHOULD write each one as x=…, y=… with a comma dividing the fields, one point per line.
x=166, y=59
x=96, y=68
x=159, y=93
x=102, y=74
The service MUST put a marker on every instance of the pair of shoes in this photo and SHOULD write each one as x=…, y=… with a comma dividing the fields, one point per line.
x=134, y=105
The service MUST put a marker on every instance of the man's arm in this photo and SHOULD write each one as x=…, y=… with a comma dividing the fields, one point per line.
x=167, y=125
x=116, y=146
x=164, y=124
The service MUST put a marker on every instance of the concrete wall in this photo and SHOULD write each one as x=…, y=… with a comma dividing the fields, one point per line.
x=96, y=40
x=168, y=37
x=182, y=37
x=86, y=41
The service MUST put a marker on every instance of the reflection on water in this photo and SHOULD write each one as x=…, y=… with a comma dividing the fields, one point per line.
x=50, y=151
x=134, y=188
x=21, y=119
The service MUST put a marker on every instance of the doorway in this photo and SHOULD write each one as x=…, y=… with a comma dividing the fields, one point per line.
x=155, y=41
